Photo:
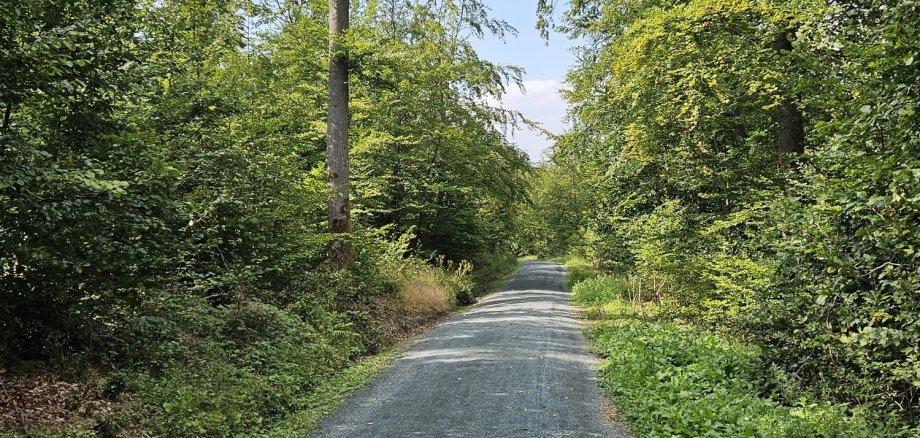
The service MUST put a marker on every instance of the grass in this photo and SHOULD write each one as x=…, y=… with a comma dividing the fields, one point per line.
x=579, y=269
x=328, y=396
x=424, y=293
x=668, y=380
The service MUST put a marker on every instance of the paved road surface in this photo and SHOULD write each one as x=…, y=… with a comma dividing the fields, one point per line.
x=514, y=365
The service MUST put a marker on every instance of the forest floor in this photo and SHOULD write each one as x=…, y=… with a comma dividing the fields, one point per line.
x=514, y=365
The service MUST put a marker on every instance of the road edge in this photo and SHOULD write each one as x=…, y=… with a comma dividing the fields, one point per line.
x=330, y=395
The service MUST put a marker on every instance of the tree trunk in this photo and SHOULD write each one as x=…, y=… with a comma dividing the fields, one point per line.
x=791, y=135
x=7, y=114
x=341, y=251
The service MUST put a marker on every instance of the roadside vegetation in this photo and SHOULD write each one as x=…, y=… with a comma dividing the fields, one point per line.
x=747, y=174
x=164, y=246
x=740, y=184
x=669, y=378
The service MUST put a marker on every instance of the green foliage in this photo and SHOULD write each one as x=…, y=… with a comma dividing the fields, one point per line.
x=328, y=396
x=671, y=381
x=490, y=270
x=599, y=290
x=851, y=275
x=75, y=191
x=678, y=111
x=548, y=225
x=234, y=369
x=579, y=270
x=430, y=157
x=162, y=194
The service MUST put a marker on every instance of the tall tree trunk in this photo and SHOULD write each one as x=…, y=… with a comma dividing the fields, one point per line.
x=341, y=250
x=791, y=135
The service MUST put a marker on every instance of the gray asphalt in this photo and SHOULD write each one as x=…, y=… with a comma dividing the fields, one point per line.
x=515, y=365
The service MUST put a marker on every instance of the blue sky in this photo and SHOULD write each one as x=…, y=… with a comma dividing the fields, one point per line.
x=545, y=69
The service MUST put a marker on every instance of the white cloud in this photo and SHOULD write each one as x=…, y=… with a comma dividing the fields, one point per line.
x=542, y=104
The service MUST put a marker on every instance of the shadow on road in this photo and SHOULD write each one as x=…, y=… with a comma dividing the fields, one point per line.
x=514, y=365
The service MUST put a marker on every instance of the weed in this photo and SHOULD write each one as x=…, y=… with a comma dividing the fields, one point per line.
x=422, y=292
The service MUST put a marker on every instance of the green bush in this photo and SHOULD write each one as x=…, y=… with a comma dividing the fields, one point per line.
x=673, y=381
x=579, y=269
x=220, y=371
x=600, y=290
x=490, y=269
x=846, y=309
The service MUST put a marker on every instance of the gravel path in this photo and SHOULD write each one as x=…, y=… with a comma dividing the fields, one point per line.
x=515, y=365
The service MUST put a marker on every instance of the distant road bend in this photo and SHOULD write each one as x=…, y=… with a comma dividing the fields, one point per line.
x=515, y=365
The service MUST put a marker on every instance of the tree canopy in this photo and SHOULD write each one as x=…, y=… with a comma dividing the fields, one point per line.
x=163, y=192
x=755, y=165
x=751, y=167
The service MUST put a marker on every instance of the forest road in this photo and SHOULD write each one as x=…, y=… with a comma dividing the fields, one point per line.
x=515, y=365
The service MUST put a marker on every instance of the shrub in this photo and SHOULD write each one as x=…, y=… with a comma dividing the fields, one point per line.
x=220, y=371
x=579, y=270
x=671, y=381
x=599, y=290
x=490, y=269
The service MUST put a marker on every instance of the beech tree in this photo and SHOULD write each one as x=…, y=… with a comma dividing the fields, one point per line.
x=690, y=121
x=341, y=250
x=164, y=177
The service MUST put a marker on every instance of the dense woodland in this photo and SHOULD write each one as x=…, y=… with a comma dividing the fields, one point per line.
x=753, y=168
x=746, y=172
x=163, y=228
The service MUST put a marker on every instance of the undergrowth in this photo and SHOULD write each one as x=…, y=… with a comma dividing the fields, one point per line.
x=184, y=367
x=329, y=395
x=579, y=269
x=489, y=271
x=668, y=379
